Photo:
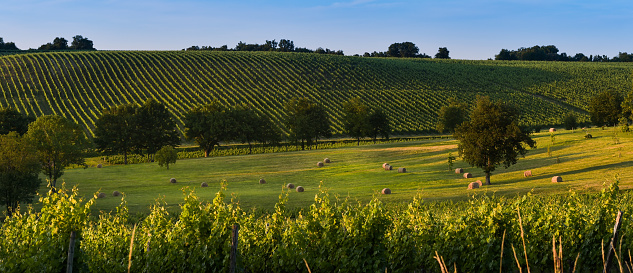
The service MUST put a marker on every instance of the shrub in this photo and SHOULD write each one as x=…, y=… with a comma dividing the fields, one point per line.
x=570, y=122
x=166, y=155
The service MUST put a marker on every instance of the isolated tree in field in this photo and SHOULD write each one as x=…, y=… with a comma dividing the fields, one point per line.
x=251, y=127
x=210, y=124
x=19, y=171
x=81, y=43
x=166, y=155
x=59, y=142
x=154, y=127
x=451, y=116
x=306, y=121
x=442, y=53
x=492, y=136
x=12, y=120
x=115, y=130
x=606, y=108
x=356, y=119
x=570, y=121
x=378, y=124
x=403, y=50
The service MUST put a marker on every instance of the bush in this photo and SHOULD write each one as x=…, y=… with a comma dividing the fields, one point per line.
x=570, y=122
x=166, y=155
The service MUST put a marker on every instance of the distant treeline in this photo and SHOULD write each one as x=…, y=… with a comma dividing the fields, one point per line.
x=550, y=53
x=79, y=43
x=282, y=46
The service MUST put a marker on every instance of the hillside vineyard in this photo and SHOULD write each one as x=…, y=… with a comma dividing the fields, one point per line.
x=79, y=85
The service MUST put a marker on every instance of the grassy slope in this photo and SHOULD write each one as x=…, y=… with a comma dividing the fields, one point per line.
x=79, y=85
x=584, y=166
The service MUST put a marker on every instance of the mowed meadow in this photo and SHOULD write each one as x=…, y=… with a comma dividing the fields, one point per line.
x=355, y=172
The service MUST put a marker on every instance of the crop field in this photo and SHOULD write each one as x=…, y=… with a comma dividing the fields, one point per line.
x=79, y=85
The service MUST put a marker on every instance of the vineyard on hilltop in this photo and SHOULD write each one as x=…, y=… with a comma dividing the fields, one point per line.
x=80, y=85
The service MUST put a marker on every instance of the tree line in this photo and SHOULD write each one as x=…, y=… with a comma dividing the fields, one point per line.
x=59, y=43
x=550, y=53
x=283, y=45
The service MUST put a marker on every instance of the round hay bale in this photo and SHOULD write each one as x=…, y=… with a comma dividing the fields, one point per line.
x=204, y=184
x=386, y=191
x=172, y=180
x=116, y=193
x=473, y=185
x=101, y=195
x=326, y=160
x=388, y=167
x=290, y=186
x=468, y=175
x=319, y=164
x=588, y=136
x=478, y=182
x=557, y=179
x=99, y=166
x=300, y=189
x=384, y=165
x=527, y=173
x=459, y=170
x=262, y=181
x=402, y=170
x=551, y=130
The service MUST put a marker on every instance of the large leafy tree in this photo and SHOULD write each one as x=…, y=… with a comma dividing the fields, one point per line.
x=451, y=116
x=356, y=119
x=627, y=106
x=59, y=142
x=115, y=130
x=12, y=120
x=403, y=50
x=606, y=108
x=251, y=127
x=210, y=124
x=492, y=136
x=154, y=127
x=81, y=43
x=442, y=53
x=378, y=124
x=58, y=44
x=19, y=171
x=307, y=121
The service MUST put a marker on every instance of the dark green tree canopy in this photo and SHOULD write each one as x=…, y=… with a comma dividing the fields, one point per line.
x=58, y=44
x=451, y=116
x=356, y=119
x=403, y=50
x=8, y=45
x=378, y=124
x=307, y=121
x=81, y=43
x=154, y=127
x=492, y=136
x=627, y=106
x=606, y=108
x=442, y=53
x=115, y=130
x=12, y=120
x=19, y=171
x=570, y=121
x=210, y=124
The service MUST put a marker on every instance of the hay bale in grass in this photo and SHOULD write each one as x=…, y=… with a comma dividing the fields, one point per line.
x=551, y=130
x=204, y=184
x=588, y=136
x=459, y=170
x=473, y=185
x=300, y=189
x=290, y=186
x=101, y=195
x=172, y=180
x=327, y=160
x=479, y=183
x=386, y=191
x=468, y=175
x=527, y=173
x=388, y=167
x=319, y=164
x=384, y=165
x=557, y=179
x=99, y=166
x=402, y=170
x=262, y=181
x=116, y=193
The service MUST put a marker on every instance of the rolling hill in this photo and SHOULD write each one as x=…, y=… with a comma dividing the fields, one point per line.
x=79, y=85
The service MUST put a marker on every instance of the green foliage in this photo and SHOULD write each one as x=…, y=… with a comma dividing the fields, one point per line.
x=379, y=124
x=356, y=119
x=442, y=53
x=19, y=171
x=570, y=122
x=307, y=121
x=166, y=155
x=492, y=136
x=451, y=116
x=606, y=108
x=210, y=124
x=59, y=143
x=624, y=124
x=12, y=120
x=154, y=128
x=450, y=161
x=115, y=130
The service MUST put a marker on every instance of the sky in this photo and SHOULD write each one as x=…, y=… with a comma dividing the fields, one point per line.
x=469, y=29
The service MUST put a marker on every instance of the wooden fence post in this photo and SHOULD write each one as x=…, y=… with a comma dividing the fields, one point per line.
x=611, y=247
x=233, y=255
x=71, y=253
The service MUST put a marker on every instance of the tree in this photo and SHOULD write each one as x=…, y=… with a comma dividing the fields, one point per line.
x=570, y=121
x=154, y=128
x=442, y=53
x=403, y=50
x=251, y=127
x=12, y=120
x=59, y=143
x=378, y=124
x=451, y=116
x=627, y=106
x=58, y=44
x=492, y=136
x=81, y=43
x=286, y=45
x=19, y=171
x=306, y=121
x=210, y=124
x=8, y=45
x=115, y=130
x=356, y=119
x=166, y=155
x=606, y=108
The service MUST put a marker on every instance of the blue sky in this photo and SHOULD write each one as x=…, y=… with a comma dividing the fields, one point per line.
x=469, y=29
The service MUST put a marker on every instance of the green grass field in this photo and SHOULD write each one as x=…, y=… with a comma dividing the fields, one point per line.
x=583, y=163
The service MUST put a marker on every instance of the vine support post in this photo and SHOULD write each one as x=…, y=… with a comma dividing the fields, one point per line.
x=233, y=255
x=611, y=246
x=71, y=253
